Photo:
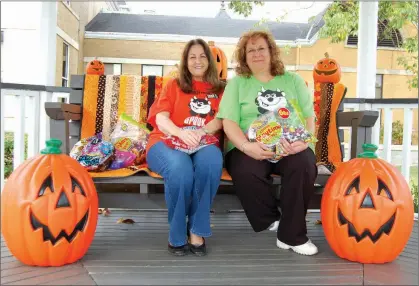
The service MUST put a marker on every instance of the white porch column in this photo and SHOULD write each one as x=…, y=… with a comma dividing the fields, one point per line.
x=367, y=49
x=47, y=43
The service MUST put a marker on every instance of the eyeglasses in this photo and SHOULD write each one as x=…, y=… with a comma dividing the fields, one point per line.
x=260, y=50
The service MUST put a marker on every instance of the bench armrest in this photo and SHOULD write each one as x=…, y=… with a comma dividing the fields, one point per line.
x=361, y=123
x=63, y=111
x=60, y=115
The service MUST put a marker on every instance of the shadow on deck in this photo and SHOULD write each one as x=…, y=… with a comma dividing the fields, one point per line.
x=123, y=254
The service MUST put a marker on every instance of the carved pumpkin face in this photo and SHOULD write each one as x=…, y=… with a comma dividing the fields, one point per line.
x=49, y=209
x=220, y=60
x=95, y=67
x=367, y=209
x=327, y=70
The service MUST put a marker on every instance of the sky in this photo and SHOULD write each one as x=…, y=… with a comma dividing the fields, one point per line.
x=297, y=12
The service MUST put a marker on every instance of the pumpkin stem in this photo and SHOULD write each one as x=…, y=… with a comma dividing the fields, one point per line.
x=326, y=54
x=53, y=146
x=369, y=151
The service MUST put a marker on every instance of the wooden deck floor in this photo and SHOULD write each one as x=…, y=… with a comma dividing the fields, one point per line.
x=136, y=254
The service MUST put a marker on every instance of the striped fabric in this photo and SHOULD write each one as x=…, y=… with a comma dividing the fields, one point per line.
x=106, y=97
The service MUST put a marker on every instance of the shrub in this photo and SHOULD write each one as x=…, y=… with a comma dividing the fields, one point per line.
x=8, y=152
x=397, y=133
x=414, y=190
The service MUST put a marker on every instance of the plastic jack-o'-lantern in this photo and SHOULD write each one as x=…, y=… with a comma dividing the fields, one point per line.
x=327, y=70
x=49, y=209
x=220, y=60
x=367, y=209
x=95, y=67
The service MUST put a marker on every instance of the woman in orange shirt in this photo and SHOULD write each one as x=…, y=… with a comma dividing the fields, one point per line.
x=190, y=181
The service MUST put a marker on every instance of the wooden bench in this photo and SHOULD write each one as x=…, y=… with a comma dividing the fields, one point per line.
x=65, y=124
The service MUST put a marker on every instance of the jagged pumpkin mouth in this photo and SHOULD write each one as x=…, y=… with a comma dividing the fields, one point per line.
x=47, y=235
x=325, y=72
x=352, y=232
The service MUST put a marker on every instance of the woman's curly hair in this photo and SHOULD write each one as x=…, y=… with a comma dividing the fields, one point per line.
x=277, y=66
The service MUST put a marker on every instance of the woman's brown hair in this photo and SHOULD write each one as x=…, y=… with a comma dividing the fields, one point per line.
x=211, y=75
x=277, y=66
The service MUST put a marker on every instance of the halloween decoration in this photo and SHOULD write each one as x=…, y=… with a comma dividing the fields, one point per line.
x=49, y=209
x=328, y=95
x=367, y=209
x=95, y=67
x=327, y=70
x=220, y=60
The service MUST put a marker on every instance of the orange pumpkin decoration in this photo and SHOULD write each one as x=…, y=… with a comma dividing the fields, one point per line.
x=367, y=209
x=49, y=209
x=95, y=67
x=220, y=60
x=327, y=70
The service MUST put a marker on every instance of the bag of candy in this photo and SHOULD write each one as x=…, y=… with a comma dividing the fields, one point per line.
x=130, y=140
x=93, y=153
x=285, y=122
x=178, y=144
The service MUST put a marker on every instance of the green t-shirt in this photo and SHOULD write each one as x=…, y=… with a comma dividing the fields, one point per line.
x=244, y=99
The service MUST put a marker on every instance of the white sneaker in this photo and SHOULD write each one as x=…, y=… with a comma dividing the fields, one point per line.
x=307, y=248
x=274, y=226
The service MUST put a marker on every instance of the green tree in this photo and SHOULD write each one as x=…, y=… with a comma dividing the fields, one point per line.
x=244, y=8
x=341, y=20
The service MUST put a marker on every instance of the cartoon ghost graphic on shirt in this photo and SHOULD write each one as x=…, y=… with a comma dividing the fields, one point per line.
x=269, y=100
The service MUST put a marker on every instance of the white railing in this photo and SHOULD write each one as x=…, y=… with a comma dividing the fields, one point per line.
x=25, y=104
x=22, y=111
x=387, y=106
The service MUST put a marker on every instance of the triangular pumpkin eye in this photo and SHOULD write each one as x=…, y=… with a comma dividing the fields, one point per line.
x=76, y=187
x=46, y=186
x=383, y=190
x=218, y=59
x=353, y=187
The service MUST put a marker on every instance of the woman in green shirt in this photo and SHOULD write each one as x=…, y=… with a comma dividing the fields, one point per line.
x=260, y=85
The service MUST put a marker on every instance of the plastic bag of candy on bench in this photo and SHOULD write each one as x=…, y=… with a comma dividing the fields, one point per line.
x=178, y=144
x=93, y=153
x=130, y=140
x=279, y=123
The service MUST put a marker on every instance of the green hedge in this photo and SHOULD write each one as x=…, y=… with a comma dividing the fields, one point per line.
x=8, y=152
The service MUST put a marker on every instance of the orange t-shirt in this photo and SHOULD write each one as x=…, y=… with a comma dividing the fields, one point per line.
x=193, y=109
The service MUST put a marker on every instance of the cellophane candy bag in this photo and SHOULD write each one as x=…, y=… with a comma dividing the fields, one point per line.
x=93, y=153
x=130, y=140
x=271, y=126
x=178, y=144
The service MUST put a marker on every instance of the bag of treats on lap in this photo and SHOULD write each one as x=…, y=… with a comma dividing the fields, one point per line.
x=93, y=153
x=284, y=122
x=129, y=139
x=178, y=144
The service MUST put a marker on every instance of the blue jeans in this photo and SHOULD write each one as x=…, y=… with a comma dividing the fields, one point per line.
x=190, y=185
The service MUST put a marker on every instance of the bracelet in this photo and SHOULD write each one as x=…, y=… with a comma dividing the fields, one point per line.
x=242, y=145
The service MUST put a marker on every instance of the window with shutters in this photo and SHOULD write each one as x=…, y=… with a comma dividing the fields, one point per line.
x=389, y=40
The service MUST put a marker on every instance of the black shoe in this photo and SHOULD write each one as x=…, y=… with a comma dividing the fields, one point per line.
x=198, y=250
x=178, y=250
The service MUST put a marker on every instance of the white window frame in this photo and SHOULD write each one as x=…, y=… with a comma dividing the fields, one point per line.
x=147, y=65
x=67, y=71
x=116, y=68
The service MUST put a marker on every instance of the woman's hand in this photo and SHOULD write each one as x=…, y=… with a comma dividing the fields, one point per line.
x=292, y=148
x=190, y=137
x=257, y=151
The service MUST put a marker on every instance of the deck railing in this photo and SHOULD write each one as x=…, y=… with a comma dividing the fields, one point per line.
x=22, y=111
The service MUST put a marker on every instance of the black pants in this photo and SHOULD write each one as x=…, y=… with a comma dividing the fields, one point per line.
x=253, y=185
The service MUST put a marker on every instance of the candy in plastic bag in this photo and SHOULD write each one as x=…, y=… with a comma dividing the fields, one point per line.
x=285, y=122
x=178, y=144
x=93, y=153
x=122, y=159
x=129, y=136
